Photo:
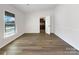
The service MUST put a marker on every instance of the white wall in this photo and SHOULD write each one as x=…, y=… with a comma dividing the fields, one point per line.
x=19, y=19
x=33, y=21
x=66, y=24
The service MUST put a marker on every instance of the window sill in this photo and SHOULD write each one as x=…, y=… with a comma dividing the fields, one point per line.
x=8, y=35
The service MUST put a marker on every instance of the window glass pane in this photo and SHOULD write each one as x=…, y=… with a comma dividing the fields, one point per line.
x=9, y=23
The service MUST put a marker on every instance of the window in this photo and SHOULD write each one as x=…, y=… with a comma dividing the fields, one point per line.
x=10, y=28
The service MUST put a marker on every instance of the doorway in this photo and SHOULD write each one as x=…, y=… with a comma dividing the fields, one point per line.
x=45, y=24
x=42, y=25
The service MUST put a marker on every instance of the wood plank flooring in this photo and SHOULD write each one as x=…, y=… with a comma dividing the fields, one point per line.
x=38, y=44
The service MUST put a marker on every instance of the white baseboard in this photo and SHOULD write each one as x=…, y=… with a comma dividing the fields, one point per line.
x=73, y=45
x=9, y=41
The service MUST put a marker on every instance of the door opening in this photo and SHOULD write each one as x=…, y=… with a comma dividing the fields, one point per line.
x=45, y=24
x=42, y=25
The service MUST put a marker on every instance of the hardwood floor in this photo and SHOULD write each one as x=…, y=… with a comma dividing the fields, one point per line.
x=38, y=44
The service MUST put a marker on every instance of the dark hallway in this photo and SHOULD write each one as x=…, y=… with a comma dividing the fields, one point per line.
x=42, y=25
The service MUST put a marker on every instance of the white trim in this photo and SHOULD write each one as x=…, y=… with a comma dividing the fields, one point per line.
x=67, y=41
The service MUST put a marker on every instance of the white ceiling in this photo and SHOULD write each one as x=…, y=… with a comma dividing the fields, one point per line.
x=34, y=7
